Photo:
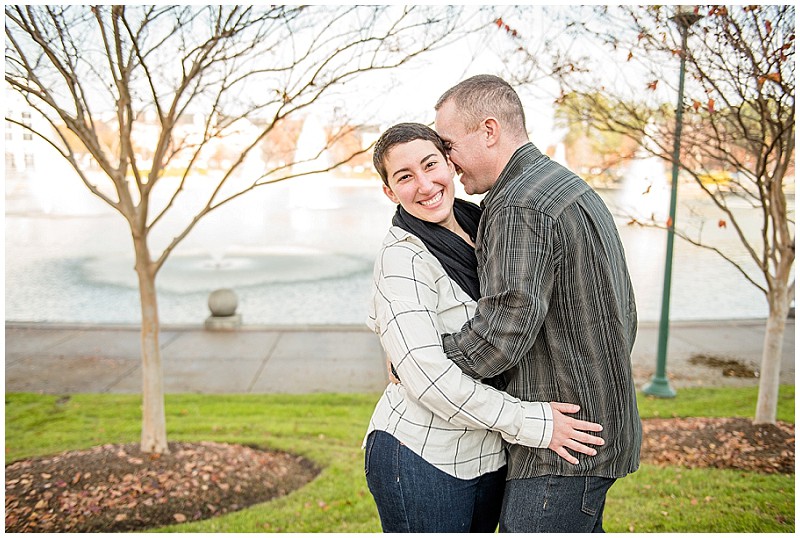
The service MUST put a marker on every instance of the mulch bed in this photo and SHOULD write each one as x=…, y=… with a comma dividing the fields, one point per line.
x=721, y=443
x=116, y=488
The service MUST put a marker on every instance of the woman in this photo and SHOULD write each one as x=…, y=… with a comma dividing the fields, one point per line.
x=434, y=454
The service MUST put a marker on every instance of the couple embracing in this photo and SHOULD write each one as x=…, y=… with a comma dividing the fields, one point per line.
x=508, y=330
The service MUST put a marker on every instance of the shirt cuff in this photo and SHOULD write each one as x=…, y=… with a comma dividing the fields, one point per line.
x=455, y=354
x=450, y=347
x=537, y=426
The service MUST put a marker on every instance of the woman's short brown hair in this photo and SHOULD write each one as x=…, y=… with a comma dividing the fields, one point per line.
x=401, y=134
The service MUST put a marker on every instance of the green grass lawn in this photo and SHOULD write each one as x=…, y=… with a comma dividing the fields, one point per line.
x=328, y=428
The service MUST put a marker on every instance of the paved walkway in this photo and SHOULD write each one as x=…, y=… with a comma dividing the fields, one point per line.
x=64, y=359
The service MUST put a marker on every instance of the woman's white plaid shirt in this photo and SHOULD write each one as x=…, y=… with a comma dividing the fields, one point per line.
x=452, y=421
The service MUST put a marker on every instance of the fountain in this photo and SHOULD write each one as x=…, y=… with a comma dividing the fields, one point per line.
x=560, y=154
x=301, y=251
x=645, y=190
x=311, y=154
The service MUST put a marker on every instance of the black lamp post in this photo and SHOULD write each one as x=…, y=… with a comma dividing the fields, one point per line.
x=684, y=18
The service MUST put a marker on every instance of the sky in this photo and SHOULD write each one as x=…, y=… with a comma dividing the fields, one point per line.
x=414, y=90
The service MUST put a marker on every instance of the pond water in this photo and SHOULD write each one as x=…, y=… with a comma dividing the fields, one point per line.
x=301, y=252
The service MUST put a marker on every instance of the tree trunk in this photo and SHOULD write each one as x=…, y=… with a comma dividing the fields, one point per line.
x=769, y=382
x=154, y=429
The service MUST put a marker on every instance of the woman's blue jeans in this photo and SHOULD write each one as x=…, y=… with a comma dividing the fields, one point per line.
x=414, y=496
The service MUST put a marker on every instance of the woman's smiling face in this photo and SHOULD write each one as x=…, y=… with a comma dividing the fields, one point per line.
x=421, y=180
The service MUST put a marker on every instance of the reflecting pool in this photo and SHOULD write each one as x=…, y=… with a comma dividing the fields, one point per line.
x=301, y=252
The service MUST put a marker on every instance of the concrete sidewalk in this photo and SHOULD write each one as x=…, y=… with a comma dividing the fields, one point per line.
x=65, y=359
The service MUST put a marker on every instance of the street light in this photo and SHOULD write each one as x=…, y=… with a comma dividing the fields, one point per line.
x=684, y=18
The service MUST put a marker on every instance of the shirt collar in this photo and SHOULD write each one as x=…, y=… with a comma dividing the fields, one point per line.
x=521, y=159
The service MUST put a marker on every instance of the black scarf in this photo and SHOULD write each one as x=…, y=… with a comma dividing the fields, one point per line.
x=456, y=255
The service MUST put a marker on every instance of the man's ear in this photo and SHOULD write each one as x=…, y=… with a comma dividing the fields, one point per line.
x=491, y=130
x=450, y=165
x=389, y=194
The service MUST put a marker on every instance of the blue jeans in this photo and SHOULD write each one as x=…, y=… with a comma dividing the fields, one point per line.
x=414, y=496
x=555, y=504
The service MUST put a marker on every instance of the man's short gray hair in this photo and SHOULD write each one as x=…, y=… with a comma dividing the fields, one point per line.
x=481, y=96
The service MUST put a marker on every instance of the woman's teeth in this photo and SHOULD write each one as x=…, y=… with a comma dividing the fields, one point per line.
x=433, y=200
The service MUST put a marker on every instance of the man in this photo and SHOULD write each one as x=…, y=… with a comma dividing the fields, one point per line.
x=557, y=315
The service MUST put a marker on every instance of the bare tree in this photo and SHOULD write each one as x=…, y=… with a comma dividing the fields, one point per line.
x=83, y=68
x=739, y=124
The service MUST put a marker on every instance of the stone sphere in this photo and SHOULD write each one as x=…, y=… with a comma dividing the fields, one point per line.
x=223, y=302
